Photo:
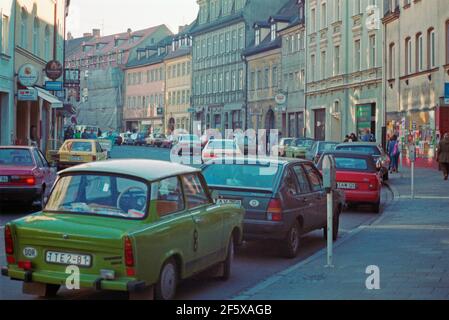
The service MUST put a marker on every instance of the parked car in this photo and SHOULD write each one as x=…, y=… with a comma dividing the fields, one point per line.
x=283, y=144
x=219, y=148
x=25, y=176
x=159, y=139
x=140, y=139
x=75, y=152
x=118, y=140
x=358, y=177
x=187, y=142
x=283, y=199
x=298, y=148
x=128, y=138
x=314, y=154
x=167, y=142
x=130, y=225
x=380, y=157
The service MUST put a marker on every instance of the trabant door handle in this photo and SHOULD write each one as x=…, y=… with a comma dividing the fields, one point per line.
x=198, y=220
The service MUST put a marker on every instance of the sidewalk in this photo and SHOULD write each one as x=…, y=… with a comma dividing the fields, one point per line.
x=409, y=243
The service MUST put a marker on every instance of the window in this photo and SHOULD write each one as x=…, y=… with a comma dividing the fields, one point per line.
x=323, y=15
x=419, y=53
x=23, y=28
x=303, y=183
x=336, y=60
x=323, y=64
x=259, y=79
x=166, y=196
x=240, y=79
x=372, y=51
x=274, y=77
x=357, y=7
x=290, y=182
x=313, y=20
x=357, y=58
x=195, y=193
x=337, y=10
x=266, y=78
x=273, y=31
x=257, y=35
x=447, y=42
x=312, y=67
x=392, y=61
x=36, y=41
x=314, y=178
x=408, y=56
x=4, y=44
x=431, y=50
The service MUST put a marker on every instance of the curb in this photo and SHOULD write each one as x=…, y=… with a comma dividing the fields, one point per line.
x=246, y=294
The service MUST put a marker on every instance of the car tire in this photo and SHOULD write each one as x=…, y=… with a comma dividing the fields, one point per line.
x=335, y=226
x=227, y=264
x=290, y=245
x=168, y=280
x=376, y=207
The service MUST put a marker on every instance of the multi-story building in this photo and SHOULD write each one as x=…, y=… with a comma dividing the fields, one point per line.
x=178, y=83
x=7, y=16
x=39, y=38
x=344, y=76
x=102, y=60
x=222, y=31
x=145, y=88
x=416, y=70
x=267, y=99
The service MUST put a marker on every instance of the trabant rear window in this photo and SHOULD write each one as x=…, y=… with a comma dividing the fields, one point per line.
x=103, y=195
x=77, y=146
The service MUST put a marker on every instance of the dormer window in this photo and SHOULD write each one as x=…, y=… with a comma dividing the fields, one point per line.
x=273, y=31
x=257, y=37
x=159, y=51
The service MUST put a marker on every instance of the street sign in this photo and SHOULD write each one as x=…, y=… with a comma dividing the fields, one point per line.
x=28, y=75
x=53, y=85
x=446, y=93
x=27, y=95
x=53, y=69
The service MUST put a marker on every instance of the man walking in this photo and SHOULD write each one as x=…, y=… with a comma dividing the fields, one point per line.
x=443, y=155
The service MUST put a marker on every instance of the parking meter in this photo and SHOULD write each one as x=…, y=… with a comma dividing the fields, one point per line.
x=412, y=153
x=329, y=173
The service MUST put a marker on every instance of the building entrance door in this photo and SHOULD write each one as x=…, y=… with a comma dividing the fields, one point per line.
x=320, y=124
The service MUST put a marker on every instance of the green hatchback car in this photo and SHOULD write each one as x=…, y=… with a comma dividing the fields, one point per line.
x=299, y=147
x=137, y=226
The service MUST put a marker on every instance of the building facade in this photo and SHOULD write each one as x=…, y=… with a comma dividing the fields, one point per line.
x=7, y=18
x=344, y=76
x=39, y=38
x=178, y=68
x=145, y=89
x=222, y=31
x=416, y=70
x=102, y=61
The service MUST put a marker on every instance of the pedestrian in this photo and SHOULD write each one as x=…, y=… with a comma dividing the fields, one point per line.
x=347, y=138
x=443, y=155
x=77, y=134
x=85, y=135
x=393, y=152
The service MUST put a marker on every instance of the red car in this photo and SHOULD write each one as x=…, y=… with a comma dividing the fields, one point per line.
x=25, y=175
x=358, y=177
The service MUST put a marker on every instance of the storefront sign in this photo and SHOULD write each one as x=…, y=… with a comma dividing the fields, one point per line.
x=53, y=69
x=28, y=75
x=53, y=85
x=364, y=118
x=280, y=98
x=446, y=93
x=27, y=95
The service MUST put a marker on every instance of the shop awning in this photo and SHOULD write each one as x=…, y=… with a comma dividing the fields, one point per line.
x=47, y=96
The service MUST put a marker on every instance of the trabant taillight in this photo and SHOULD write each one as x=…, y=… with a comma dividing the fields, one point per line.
x=9, y=245
x=129, y=256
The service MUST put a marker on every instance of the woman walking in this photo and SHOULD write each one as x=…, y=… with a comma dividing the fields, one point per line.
x=393, y=152
x=443, y=155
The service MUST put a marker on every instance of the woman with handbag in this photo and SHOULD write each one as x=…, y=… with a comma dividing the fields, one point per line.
x=443, y=155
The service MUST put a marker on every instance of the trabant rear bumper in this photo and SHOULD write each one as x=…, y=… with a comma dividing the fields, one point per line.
x=86, y=281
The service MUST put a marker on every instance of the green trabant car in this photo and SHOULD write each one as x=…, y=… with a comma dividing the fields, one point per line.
x=298, y=148
x=137, y=226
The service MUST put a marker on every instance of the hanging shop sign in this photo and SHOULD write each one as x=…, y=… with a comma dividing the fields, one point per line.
x=27, y=94
x=54, y=69
x=280, y=98
x=446, y=93
x=28, y=75
x=53, y=85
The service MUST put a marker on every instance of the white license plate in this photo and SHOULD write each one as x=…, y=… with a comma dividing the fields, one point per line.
x=65, y=258
x=229, y=201
x=75, y=158
x=4, y=179
x=346, y=185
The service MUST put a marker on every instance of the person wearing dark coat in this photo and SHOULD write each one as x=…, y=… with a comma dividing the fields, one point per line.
x=443, y=155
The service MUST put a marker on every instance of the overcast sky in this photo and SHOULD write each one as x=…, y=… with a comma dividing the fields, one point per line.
x=114, y=16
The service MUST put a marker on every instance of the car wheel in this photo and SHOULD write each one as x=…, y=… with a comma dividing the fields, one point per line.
x=376, y=207
x=227, y=264
x=335, y=226
x=290, y=245
x=168, y=281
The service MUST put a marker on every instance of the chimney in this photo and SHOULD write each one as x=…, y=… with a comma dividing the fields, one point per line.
x=96, y=33
x=182, y=28
x=87, y=34
x=129, y=31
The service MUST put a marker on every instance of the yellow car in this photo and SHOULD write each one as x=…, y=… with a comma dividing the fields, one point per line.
x=74, y=152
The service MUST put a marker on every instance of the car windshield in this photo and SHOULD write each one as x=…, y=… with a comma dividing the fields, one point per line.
x=304, y=143
x=286, y=142
x=104, y=195
x=345, y=163
x=327, y=146
x=15, y=157
x=222, y=144
x=241, y=175
x=78, y=146
x=371, y=150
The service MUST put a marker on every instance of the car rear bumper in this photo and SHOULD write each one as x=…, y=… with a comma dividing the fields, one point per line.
x=19, y=193
x=65, y=165
x=86, y=281
x=362, y=196
x=264, y=230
